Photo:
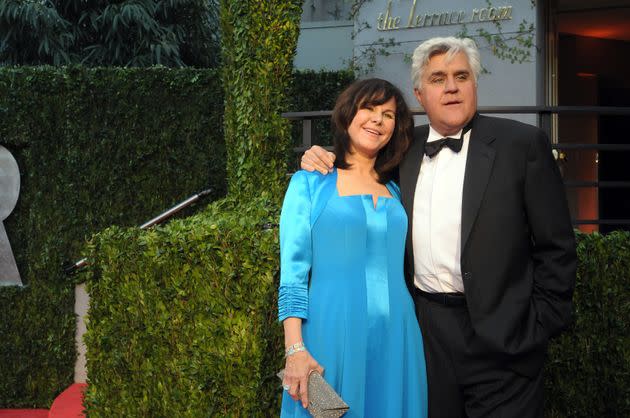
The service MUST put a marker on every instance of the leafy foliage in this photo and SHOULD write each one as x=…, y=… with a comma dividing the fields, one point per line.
x=183, y=322
x=317, y=90
x=154, y=140
x=33, y=32
x=37, y=325
x=588, y=370
x=141, y=33
x=258, y=44
x=314, y=90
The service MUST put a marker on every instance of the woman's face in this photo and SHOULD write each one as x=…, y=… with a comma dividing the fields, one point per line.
x=372, y=128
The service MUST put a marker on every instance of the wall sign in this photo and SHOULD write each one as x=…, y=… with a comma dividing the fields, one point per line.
x=419, y=19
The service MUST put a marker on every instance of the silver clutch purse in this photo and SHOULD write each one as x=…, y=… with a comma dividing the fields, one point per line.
x=324, y=402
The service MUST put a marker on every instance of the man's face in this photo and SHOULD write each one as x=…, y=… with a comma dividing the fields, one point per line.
x=448, y=93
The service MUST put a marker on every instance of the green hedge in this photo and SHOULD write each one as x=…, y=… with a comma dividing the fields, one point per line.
x=184, y=321
x=95, y=147
x=588, y=372
x=183, y=318
x=315, y=90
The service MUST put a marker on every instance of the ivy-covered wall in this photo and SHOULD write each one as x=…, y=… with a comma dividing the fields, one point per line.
x=95, y=148
x=258, y=41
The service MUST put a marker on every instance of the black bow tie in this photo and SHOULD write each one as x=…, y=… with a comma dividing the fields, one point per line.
x=432, y=148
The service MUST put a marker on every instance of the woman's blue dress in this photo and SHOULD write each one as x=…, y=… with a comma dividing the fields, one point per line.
x=358, y=317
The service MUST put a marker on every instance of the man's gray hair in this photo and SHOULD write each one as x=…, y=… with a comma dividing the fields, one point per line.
x=449, y=46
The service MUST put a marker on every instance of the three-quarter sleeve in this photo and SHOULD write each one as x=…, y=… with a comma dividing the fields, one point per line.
x=295, y=249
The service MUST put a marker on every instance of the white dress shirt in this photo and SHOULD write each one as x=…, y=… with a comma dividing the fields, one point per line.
x=437, y=219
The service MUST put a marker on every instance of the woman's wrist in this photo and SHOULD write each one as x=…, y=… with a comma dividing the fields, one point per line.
x=294, y=348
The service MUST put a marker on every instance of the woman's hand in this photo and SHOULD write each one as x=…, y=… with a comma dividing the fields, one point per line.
x=297, y=369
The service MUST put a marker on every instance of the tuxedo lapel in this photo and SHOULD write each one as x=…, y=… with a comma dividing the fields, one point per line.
x=478, y=168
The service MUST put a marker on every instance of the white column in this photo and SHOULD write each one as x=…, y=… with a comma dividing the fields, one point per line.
x=81, y=305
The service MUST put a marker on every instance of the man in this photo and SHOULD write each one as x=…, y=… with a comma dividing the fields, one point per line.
x=490, y=252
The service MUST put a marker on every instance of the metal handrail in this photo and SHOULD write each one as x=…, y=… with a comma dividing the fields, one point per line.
x=72, y=268
x=515, y=110
x=542, y=111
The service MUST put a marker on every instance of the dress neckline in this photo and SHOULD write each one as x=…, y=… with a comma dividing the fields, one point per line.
x=362, y=195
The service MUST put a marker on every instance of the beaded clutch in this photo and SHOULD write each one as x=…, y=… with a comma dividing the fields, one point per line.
x=324, y=402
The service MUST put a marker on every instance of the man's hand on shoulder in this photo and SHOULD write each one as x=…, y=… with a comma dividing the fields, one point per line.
x=317, y=158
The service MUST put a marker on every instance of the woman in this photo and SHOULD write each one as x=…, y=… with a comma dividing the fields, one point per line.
x=343, y=299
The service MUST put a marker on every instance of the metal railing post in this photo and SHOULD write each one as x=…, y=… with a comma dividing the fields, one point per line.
x=307, y=133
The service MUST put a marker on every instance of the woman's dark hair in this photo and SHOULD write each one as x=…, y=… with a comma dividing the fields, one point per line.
x=362, y=94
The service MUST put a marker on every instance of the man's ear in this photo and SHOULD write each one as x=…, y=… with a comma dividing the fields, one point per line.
x=418, y=94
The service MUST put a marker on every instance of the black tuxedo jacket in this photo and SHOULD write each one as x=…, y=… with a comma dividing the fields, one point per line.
x=518, y=258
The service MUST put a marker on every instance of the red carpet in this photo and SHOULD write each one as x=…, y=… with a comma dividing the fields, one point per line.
x=23, y=413
x=69, y=404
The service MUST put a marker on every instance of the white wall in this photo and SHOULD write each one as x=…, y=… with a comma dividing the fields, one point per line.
x=324, y=45
x=506, y=84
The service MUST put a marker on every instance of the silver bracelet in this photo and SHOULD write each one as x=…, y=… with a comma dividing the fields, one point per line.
x=295, y=348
